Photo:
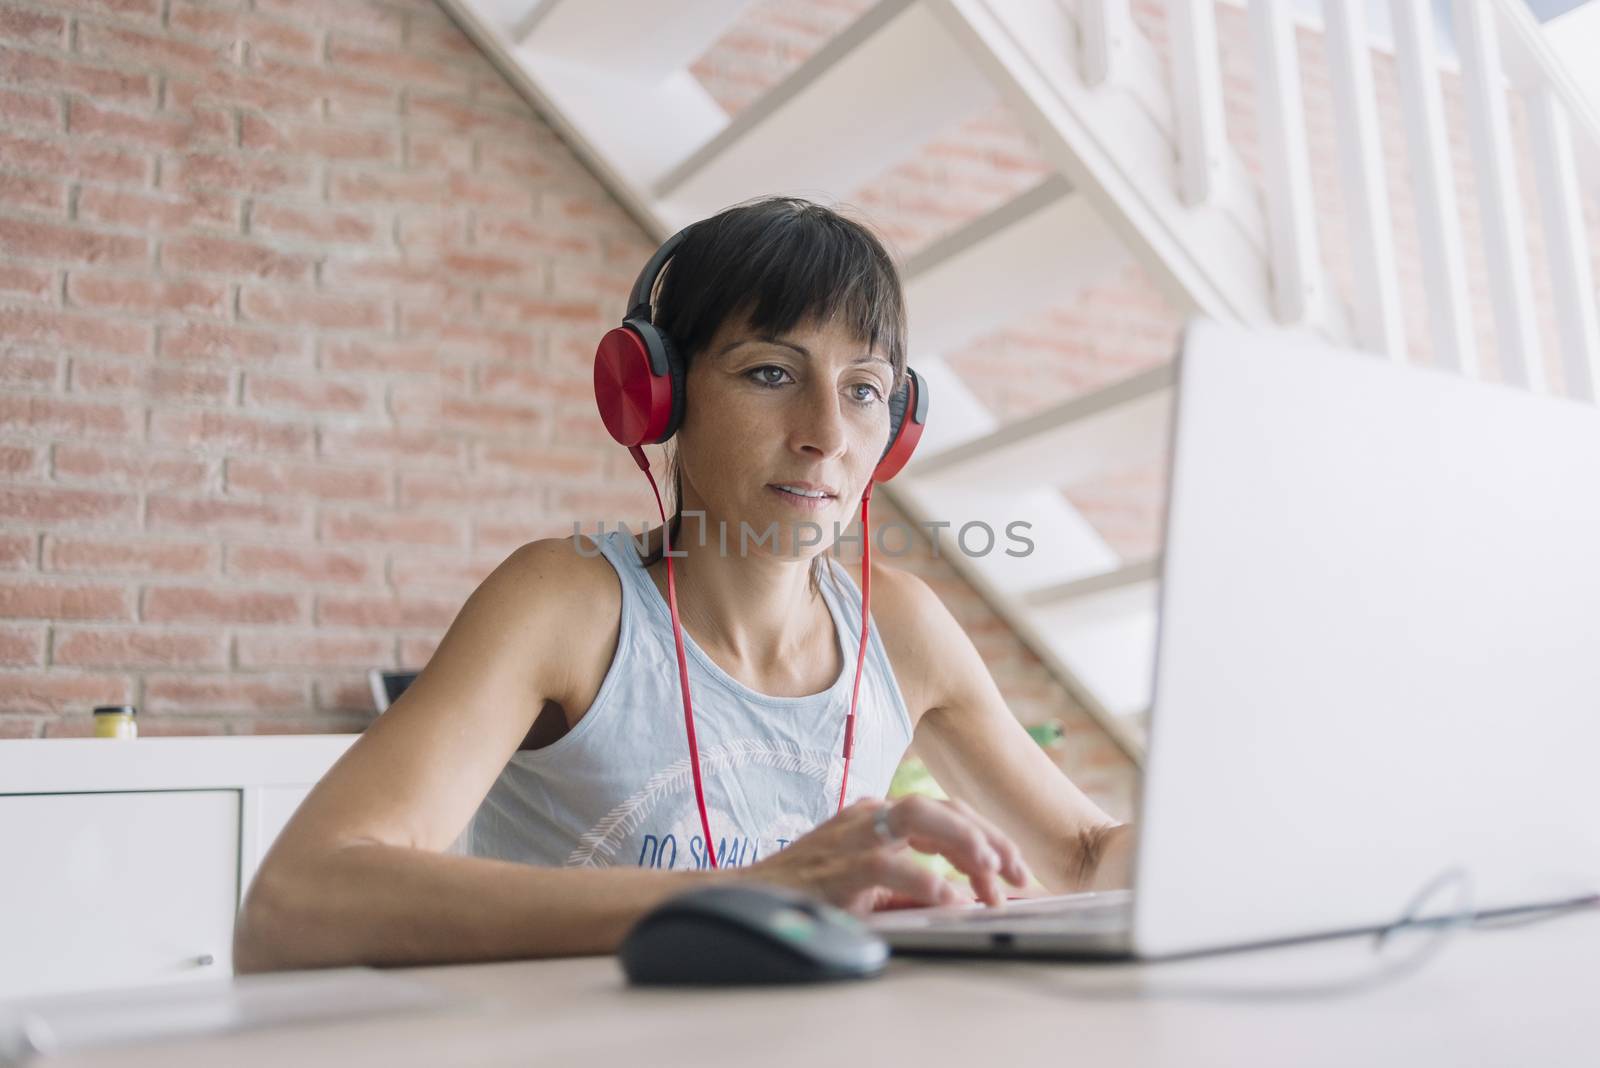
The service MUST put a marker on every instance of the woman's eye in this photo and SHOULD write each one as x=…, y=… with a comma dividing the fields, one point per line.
x=766, y=381
x=874, y=396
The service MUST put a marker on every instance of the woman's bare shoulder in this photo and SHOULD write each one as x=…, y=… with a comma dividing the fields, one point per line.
x=581, y=612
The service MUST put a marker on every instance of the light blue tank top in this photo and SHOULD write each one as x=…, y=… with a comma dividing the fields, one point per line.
x=617, y=789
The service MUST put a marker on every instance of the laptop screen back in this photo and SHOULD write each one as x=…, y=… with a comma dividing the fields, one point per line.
x=1379, y=646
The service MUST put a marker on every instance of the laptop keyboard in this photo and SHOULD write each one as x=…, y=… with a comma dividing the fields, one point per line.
x=1104, y=910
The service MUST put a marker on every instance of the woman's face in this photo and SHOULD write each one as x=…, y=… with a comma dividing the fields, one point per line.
x=808, y=407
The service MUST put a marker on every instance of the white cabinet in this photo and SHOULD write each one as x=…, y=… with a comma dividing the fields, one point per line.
x=107, y=889
x=124, y=862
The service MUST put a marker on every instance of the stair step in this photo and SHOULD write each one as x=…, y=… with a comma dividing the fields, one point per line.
x=1036, y=251
x=1119, y=425
x=860, y=105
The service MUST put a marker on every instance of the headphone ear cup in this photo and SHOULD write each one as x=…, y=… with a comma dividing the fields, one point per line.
x=633, y=385
x=908, y=413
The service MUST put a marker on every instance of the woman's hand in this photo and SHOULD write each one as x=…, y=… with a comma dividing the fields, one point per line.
x=850, y=862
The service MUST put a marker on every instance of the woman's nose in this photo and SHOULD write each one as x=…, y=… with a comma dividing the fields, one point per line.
x=820, y=426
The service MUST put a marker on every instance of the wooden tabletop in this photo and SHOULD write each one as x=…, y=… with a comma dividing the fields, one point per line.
x=1513, y=996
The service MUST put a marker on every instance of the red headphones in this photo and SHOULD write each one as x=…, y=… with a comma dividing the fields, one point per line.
x=638, y=385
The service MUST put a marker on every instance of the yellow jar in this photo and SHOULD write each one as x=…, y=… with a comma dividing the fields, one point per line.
x=115, y=721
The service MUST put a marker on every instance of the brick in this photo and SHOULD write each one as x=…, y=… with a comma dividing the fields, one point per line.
x=536, y=237
x=346, y=143
x=159, y=384
x=211, y=604
x=38, y=71
x=222, y=516
x=162, y=130
x=18, y=26
x=354, y=96
x=580, y=312
x=147, y=295
x=545, y=462
x=491, y=536
x=151, y=48
x=61, y=692
x=62, y=416
x=163, y=211
x=274, y=478
x=418, y=490
x=318, y=566
x=127, y=10
x=73, y=330
x=224, y=692
x=137, y=647
x=25, y=462
x=314, y=650
x=368, y=19
x=368, y=527
x=294, y=393
x=418, y=651
x=396, y=446
x=120, y=556
x=437, y=152
x=29, y=371
x=460, y=115
x=482, y=414
x=393, y=66
x=34, y=599
x=319, y=224
x=247, y=346
x=240, y=174
x=21, y=280
x=385, y=611
x=374, y=187
x=29, y=109
x=47, y=195
x=222, y=26
x=22, y=645
x=56, y=505
x=228, y=87
x=409, y=571
x=390, y=357
x=233, y=256
x=440, y=36
x=32, y=239
x=216, y=430
x=323, y=311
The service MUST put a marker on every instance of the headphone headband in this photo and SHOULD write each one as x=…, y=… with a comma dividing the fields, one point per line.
x=639, y=299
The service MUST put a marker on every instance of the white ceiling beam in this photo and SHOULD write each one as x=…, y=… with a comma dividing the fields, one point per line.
x=864, y=102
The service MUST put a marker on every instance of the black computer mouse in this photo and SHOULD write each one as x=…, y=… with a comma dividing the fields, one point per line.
x=749, y=933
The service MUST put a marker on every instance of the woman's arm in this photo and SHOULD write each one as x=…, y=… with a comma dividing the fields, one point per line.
x=359, y=875
x=981, y=755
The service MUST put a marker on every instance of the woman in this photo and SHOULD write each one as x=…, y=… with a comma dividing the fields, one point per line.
x=547, y=721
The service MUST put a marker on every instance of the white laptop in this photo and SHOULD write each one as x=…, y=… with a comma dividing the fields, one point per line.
x=1378, y=661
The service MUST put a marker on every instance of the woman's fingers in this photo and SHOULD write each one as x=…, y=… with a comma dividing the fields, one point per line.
x=973, y=845
x=1012, y=863
x=909, y=881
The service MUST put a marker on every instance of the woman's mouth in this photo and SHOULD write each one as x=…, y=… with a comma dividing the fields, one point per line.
x=806, y=500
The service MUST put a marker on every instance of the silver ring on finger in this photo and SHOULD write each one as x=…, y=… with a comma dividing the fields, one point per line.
x=880, y=824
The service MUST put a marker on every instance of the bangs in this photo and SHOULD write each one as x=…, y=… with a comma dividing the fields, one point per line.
x=778, y=263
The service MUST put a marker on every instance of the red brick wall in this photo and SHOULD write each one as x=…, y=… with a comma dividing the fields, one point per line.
x=297, y=304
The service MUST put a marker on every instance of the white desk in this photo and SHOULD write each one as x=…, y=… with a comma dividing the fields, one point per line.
x=1505, y=998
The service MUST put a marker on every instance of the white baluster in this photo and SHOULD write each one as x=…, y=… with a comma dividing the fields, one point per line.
x=1499, y=202
x=1379, y=323
x=1296, y=271
x=1570, y=273
x=1433, y=186
x=1104, y=26
x=1197, y=97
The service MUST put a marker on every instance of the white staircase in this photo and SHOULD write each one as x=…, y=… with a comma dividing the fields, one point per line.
x=1142, y=169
